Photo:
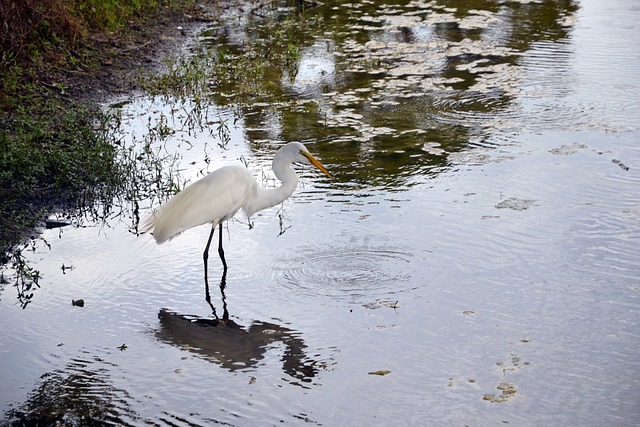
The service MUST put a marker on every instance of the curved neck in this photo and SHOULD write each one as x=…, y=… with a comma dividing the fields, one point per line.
x=268, y=197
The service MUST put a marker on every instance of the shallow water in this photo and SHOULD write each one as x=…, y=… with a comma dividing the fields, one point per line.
x=480, y=240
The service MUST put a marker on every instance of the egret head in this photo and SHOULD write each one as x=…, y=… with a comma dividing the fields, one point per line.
x=302, y=155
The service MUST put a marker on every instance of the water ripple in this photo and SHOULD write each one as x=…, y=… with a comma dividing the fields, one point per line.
x=346, y=274
x=82, y=387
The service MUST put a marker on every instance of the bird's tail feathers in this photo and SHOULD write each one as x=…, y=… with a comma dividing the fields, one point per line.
x=149, y=224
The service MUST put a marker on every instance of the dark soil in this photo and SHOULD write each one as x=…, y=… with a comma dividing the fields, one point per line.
x=120, y=59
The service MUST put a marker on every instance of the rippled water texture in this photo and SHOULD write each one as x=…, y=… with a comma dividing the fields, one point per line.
x=474, y=261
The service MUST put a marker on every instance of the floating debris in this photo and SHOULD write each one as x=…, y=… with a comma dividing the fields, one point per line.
x=64, y=268
x=470, y=158
x=56, y=223
x=516, y=364
x=433, y=148
x=622, y=165
x=567, y=150
x=508, y=391
x=77, y=303
x=381, y=372
x=381, y=304
x=516, y=204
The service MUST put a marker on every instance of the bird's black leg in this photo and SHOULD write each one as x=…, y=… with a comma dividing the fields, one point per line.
x=223, y=285
x=223, y=281
x=221, y=251
x=205, y=257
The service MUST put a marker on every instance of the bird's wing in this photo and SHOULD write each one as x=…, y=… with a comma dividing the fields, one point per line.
x=212, y=199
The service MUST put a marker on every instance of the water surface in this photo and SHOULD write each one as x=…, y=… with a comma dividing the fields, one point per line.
x=473, y=262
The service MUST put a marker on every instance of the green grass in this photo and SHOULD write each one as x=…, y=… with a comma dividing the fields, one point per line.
x=57, y=154
x=111, y=15
x=33, y=30
x=49, y=151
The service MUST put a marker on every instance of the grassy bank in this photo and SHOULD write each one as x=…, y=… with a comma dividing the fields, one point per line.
x=59, y=58
x=55, y=152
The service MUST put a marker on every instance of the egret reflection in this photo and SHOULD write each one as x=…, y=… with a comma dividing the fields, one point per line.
x=235, y=347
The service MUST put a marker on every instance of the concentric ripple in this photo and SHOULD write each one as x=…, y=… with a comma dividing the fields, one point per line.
x=346, y=274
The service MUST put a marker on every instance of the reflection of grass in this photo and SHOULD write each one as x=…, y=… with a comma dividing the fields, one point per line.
x=257, y=68
x=235, y=74
x=78, y=397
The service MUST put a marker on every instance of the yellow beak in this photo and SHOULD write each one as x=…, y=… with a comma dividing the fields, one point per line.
x=315, y=163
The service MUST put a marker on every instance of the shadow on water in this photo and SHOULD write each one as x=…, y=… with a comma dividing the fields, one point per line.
x=86, y=390
x=235, y=347
x=232, y=346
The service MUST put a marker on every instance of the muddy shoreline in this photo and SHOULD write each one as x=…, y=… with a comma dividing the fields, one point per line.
x=141, y=49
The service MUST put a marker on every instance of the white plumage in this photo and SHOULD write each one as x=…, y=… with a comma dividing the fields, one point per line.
x=218, y=196
x=212, y=199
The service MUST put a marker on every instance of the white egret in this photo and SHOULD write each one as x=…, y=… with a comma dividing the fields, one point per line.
x=218, y=196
